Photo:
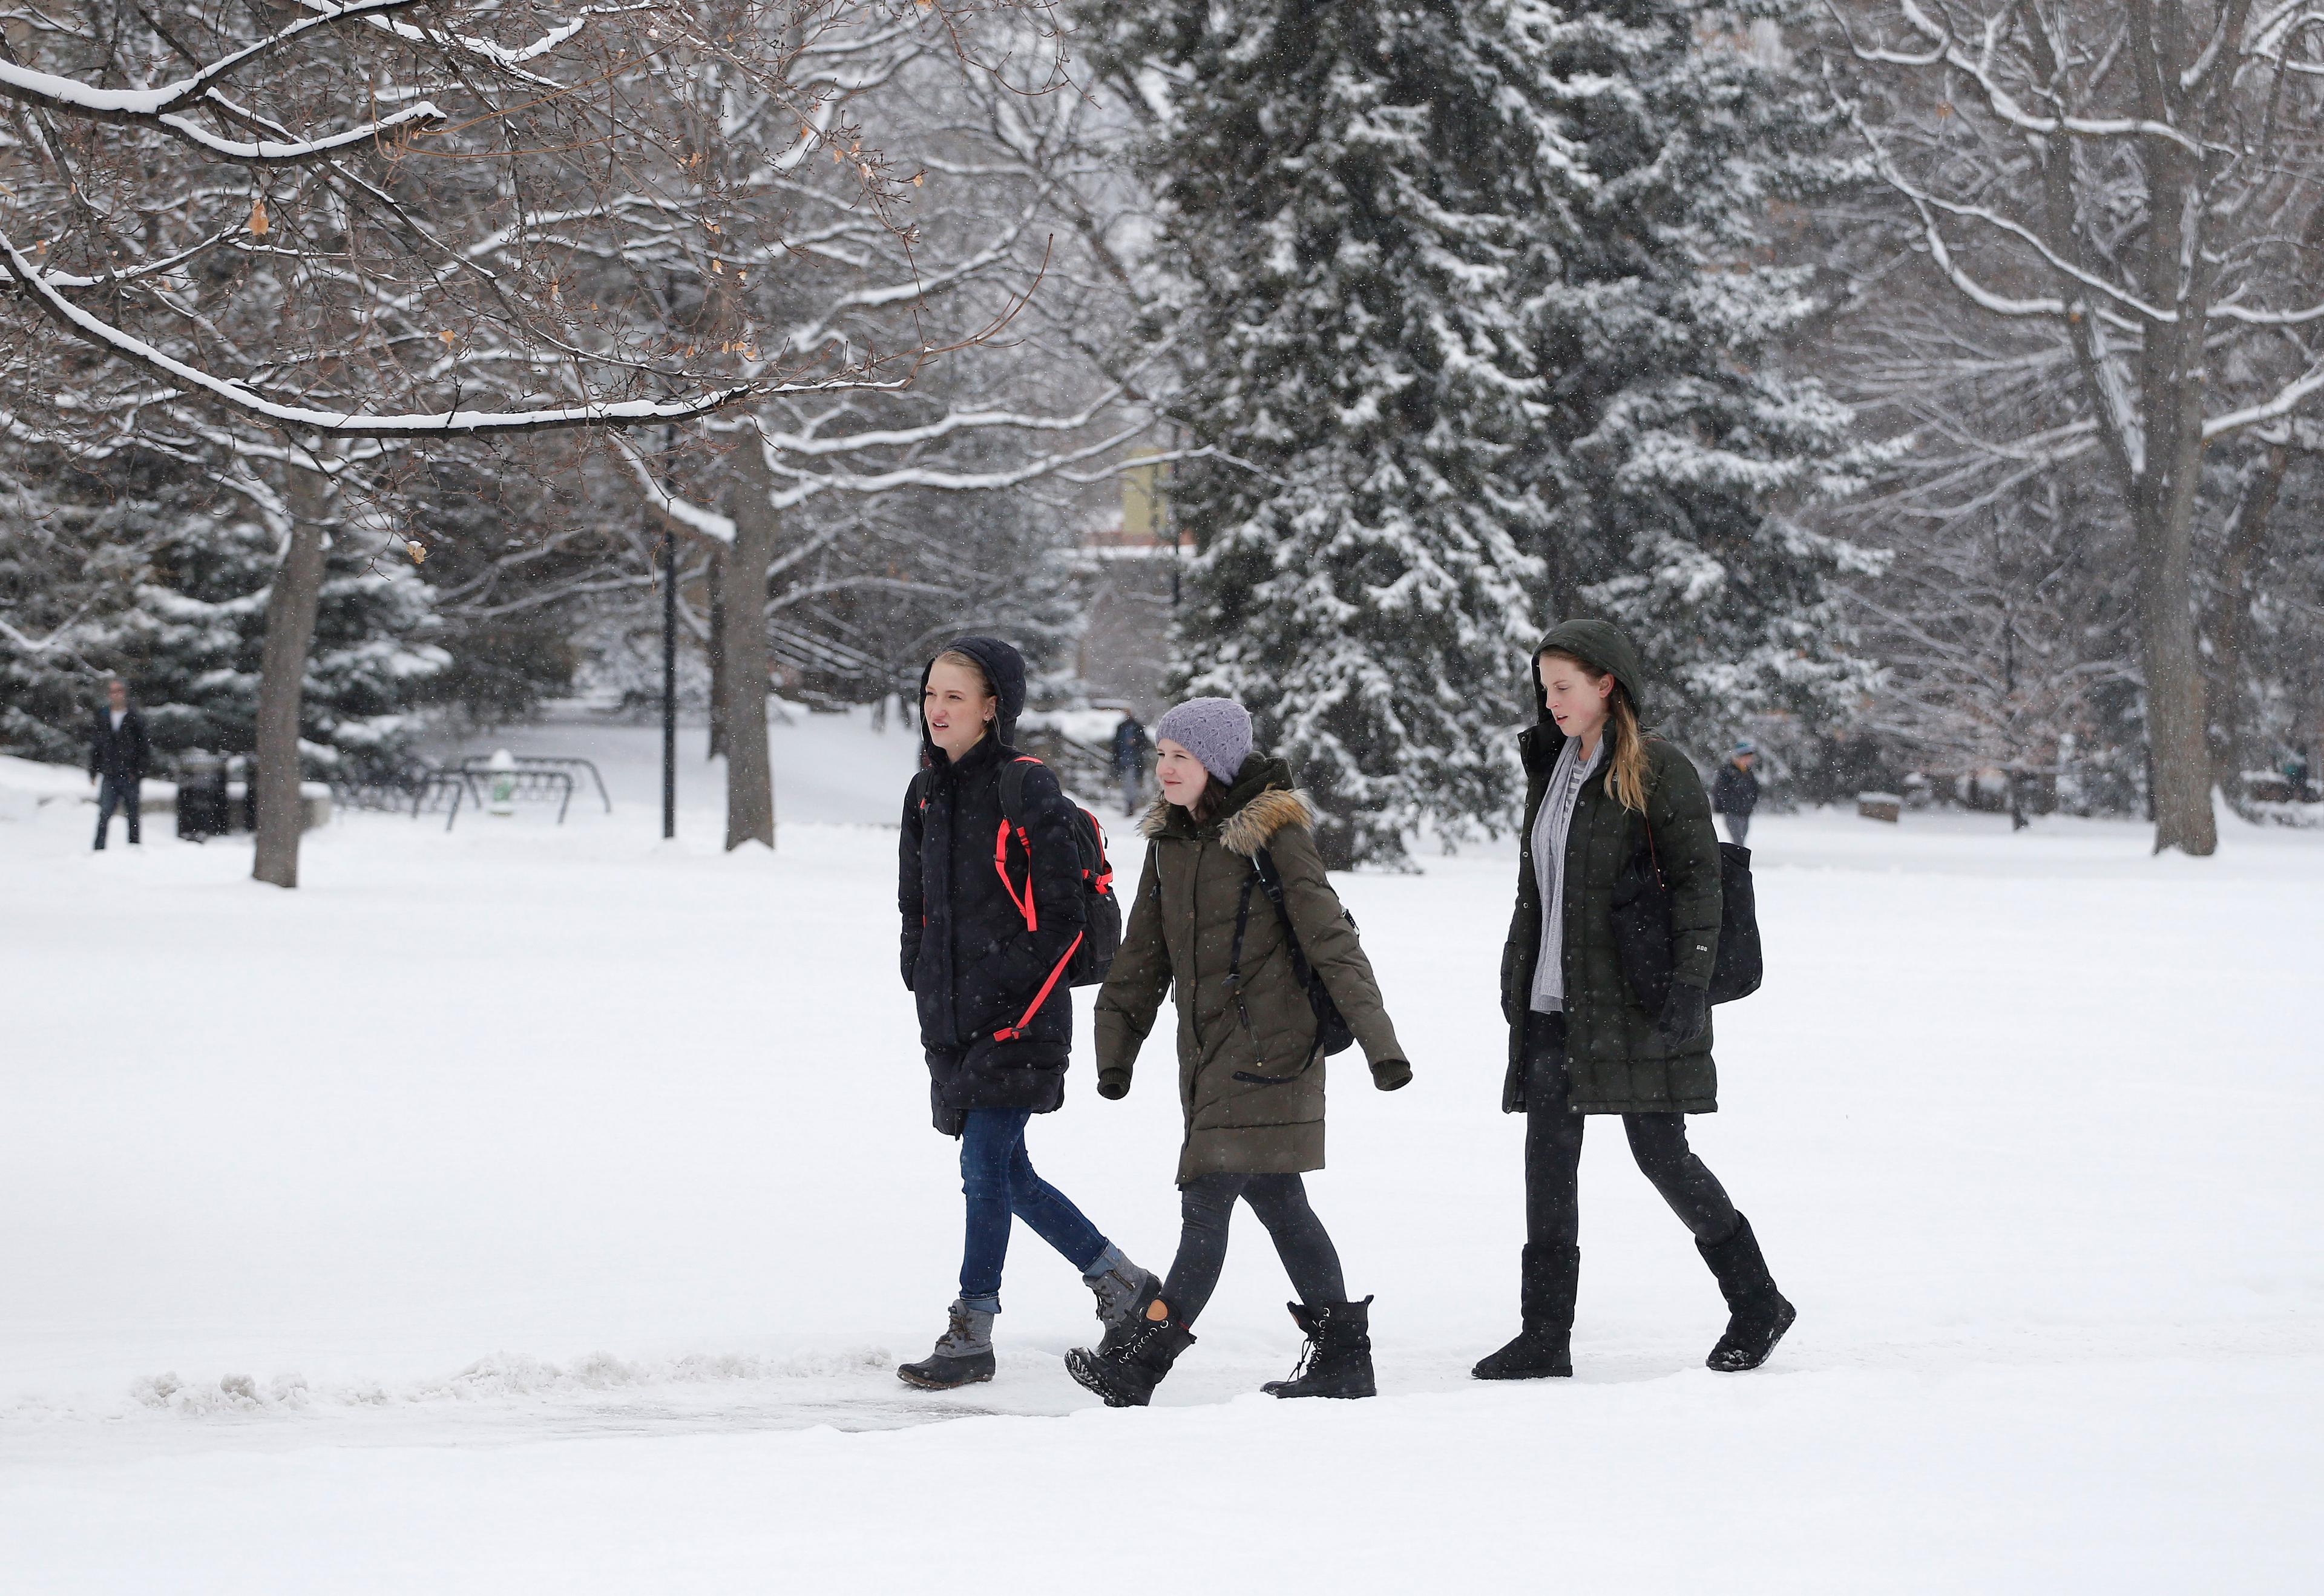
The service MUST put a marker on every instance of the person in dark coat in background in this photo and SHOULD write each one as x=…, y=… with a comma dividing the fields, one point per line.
x=992, y=914
x=1735, y=791
x=118, y=756
x=1131, y=749
x=1597, y=789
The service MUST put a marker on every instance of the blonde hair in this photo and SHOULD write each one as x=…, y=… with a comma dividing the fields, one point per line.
x=966, y=662
x=1626, y=742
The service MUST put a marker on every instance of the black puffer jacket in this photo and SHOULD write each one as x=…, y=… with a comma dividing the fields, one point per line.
x=972, y=957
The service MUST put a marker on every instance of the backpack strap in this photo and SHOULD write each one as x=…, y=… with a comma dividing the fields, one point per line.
x=1012, y=810
x=1009, y=1033
x=1271, y=882
x=1012, y=791
x=1264, y=872
x=1235, y=958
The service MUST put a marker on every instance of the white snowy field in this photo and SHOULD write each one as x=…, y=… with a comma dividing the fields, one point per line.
x=527, y=1209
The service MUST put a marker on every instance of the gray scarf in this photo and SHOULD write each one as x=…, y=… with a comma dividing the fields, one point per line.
x=1550, y=827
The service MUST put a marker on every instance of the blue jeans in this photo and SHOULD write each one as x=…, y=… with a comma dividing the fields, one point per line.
x=113, y=794
x=997, y=1178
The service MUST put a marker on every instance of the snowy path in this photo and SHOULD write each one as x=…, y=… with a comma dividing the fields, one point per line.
x=525, y=1210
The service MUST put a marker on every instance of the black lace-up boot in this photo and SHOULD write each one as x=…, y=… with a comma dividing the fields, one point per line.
x=1131, y=1360
x=1338, y=1362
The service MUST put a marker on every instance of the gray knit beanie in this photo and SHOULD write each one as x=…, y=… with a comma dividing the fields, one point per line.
x=1215, y=731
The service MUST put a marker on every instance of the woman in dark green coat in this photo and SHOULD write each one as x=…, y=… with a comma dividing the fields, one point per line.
x=1250, y=1066
x=1600, y=794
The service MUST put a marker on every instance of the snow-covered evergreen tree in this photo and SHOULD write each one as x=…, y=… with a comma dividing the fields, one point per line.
x=195, y=634
x=1677, y=448
x=1358, y=202
x=1468, y=300
x=172, y=595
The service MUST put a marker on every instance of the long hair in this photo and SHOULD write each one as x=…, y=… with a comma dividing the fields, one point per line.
x=1626, y=742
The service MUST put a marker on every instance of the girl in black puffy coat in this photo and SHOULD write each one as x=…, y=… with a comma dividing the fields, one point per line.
x=992, y=914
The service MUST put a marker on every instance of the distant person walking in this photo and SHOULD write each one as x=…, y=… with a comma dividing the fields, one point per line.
x=992, y=912
x=1207, y=927
x=1735, y=791
x=118, y=754
x=1131, y=749
x=1580, y=1041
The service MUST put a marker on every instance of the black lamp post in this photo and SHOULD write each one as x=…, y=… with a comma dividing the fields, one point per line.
x=668, y=651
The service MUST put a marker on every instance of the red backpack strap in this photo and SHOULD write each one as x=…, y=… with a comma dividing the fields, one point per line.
x=1102, y=880
x=1001, y=866
x=1012, y=788
x=1009, y=1033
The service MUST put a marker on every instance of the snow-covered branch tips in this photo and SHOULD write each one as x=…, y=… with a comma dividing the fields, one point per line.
x=383, y=219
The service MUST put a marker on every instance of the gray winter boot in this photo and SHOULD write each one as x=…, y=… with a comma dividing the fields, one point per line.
x=1121, y=1287
x=964, y=1354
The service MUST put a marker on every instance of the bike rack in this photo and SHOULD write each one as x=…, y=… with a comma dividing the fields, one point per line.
x=555, y=761
x=530, y=785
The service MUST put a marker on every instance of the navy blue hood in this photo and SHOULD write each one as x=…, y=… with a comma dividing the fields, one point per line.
x=1004, y=670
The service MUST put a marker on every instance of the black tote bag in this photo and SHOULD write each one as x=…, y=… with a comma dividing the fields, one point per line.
x=1642, y=927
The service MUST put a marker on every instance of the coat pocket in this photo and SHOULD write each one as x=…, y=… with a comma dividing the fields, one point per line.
x=1290, y=1079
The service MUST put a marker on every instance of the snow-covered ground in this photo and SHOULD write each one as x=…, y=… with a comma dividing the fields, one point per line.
x=525, y=1209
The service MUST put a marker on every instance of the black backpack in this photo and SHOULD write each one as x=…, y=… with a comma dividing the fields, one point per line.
x=1332, y=1032
x=1093, y=957
x=1642, y=927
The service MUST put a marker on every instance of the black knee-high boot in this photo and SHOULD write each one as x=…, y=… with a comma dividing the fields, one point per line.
x=1544, y=1344
x=1758, y=1313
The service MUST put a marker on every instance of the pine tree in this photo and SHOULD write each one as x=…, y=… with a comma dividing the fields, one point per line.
x=194, y=639
x=1469, y=310
x=1360, y=201
x=1678, y=452
x=171, y=594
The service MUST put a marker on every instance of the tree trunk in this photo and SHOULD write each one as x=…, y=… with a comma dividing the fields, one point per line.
x=290, y=607
x=743, y=659
x=717, y=655
x=2246, y=536
x=2173, y=666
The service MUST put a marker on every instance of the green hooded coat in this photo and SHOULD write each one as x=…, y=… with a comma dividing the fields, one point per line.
x=1249, y=1082
x=1619, y=1064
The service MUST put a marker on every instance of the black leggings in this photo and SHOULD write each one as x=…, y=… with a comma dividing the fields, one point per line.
x=1553, y=1152
x=1207, y=1204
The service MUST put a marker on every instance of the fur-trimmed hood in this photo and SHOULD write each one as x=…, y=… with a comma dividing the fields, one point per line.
x=1251, y=1074
x=1263, y=802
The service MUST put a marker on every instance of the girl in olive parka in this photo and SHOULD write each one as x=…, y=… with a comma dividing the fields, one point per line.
x=1250, y=1070
x=1600, y=796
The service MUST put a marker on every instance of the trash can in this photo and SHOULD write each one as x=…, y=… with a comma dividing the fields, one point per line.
x=201, y=796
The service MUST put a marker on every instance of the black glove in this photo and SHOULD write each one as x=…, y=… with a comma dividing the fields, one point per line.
x=1388, y=1073
x=1114, y=1084
x=1686, y=1012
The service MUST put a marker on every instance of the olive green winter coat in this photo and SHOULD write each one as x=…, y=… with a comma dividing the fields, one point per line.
x=1619, y=1064
x=1249, y=1082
